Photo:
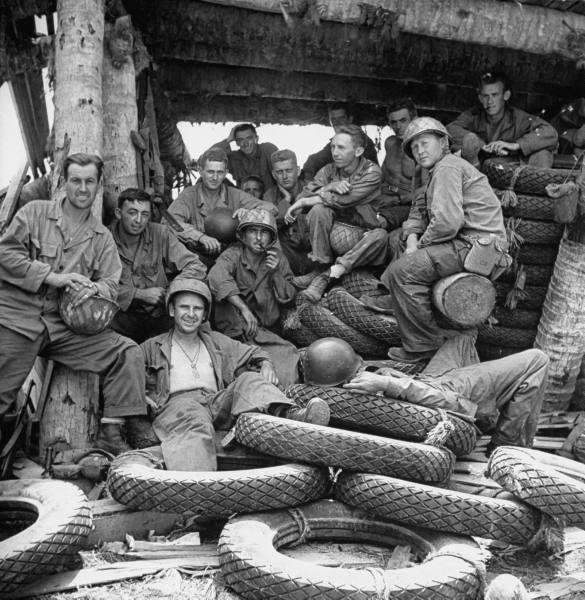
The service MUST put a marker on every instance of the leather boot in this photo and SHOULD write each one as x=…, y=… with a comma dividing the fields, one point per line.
x=110, y=439
x=315, y=291
x=302, y=282
x=316, y=412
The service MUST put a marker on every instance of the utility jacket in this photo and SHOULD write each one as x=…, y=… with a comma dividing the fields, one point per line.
x=192, y=206
x=242, y=165
x=38, y=242
x=457, y=201
x=355, y=207
x=531, y=132
x=228, y=357
x=158, y=257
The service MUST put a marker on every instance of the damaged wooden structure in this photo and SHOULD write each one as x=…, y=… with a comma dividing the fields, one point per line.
x=270, y=61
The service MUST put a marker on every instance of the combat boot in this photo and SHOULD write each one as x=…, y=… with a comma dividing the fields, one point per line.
x=316, y=412
x=315, y=291
x=110, y=439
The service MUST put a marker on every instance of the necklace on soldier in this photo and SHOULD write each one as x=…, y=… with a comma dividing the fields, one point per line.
x=192, y=361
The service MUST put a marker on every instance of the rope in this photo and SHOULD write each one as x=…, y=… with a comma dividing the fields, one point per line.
x=441, y=432
x=380, y=583
x=474, y=557
x=509, y=198
x=302, y=524
x=549, y=535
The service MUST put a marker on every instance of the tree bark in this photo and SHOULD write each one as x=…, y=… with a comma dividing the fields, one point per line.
x=78, y=78
x=70, y=417
x=501, y=24
x=120, y=118
x=561, y=331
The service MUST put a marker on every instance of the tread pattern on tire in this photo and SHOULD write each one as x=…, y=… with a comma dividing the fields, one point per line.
x=360, y=282
x=512, y=337
x=252, y=566
x=539, y=208
x=534, y=254
x=135, y=481
x=350, y=450
x=324, y=323
x=535, y=274
x=531, y=180
x=352, y=312
x=521, y=471
x=509, y=521
x=546, y=233
x=51, y=543
x=386, y=416
x=533, y=300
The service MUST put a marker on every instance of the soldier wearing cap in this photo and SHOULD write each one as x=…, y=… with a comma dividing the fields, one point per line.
x=54, y=246
x=495, y=128
x=458, y=205
x=251, y=282
x=199, y=379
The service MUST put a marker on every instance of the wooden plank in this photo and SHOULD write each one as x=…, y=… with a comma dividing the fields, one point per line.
x=119, y=571
x=10, y=201
x=112, y=521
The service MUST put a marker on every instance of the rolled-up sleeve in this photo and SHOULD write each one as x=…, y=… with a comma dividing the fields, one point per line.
x=539, y=135
x=465, y=123
x=180, y=260
x=17, y=267
x=362, y=190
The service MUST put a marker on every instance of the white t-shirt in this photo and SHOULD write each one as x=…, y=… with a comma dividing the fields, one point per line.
x=185, y=377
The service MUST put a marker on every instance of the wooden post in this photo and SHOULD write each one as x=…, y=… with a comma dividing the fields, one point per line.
x=561, y=331
x=70, y=420
x=120, y=116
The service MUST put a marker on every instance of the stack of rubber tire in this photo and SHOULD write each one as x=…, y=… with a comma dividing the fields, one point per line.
x=532, y=219
x=379, y=473
x=341, y=314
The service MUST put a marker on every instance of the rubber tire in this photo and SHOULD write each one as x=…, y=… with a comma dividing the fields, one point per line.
x=300, y=335
x=533, y=254
x=512, y=337
x=531, y=181
x=137, y=481
x=380, y=415
x=519, y=318
x=355, y=314
x=509, y=521
x=403, y=367
x=324, y=323
x=540, y=208
x=536, y=478
x=63, y=522
x=491, y=352
x=350, y=450
x=360, y=282
x=546, y=233
x=253, y=568
x=534, y=300
x=535, y=274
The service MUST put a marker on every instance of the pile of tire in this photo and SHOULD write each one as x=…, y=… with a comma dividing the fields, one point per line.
x=341, y=314
x=529, y=213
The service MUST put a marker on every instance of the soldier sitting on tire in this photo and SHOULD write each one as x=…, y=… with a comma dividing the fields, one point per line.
x=198, y=379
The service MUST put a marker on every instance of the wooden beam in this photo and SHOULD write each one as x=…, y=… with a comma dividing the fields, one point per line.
x=506, y=25
x=10, y=201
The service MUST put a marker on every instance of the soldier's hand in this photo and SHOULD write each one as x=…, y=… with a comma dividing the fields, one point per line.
x=268, y=373
x=73, y=281
x=151, y=296
x=251, y=322
x=82, y=293
x=367, y=382
x=339, y=187
x=272, y=260
x=210, y=244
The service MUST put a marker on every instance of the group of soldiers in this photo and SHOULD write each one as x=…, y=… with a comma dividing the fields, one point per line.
x=419, y=215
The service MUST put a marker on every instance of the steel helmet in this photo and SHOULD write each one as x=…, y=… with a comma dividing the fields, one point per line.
x=195, y=286
x=258, y=217
x=91, y=316
x=422, y=125
x=329, y=361
x=220, y=224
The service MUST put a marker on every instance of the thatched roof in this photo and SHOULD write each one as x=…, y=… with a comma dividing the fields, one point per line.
x=241, y=60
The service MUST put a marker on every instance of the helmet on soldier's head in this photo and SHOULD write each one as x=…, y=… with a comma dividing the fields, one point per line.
x=422, y=125
x=194, y=286
x=329, y=361
x=258, y=217
x=220, y=224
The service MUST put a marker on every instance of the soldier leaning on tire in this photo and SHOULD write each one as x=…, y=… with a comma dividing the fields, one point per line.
x=198, y=379
x=54, y=246
x=504, y=396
